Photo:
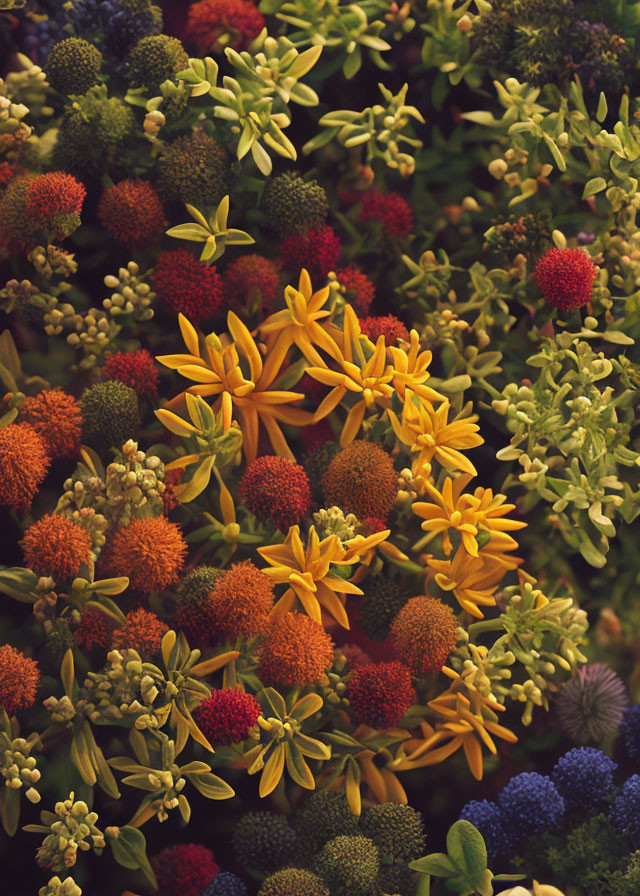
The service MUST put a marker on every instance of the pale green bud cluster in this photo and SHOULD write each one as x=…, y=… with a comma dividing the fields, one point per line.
x=18, y=766
x=57, y=887
x=123, y=688
x=73, y=829
x=332, y=521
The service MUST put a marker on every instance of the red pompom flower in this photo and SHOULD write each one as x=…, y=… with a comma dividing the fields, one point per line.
x=187, y=285
x=185, y=868
x=251, y=283
x=318, y=251
x=391, y=209
x=276, y=489
x=210, y=20
x=227, y=716
x=132, y=213
x=380, y=694
x=53, y=202
x=388, y=326
x=135, y=369
x=565, y=277
x=359, y=290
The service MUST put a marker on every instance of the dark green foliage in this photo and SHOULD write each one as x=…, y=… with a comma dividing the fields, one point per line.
x=155, y=59
x=550, y=41
x=59, y=640
x=294, y=205
x=109, y=415
x=73, y=65
x=589, y=854
x=529, y=235
x=323, y=816
x=194, y=169
x=92, y=133
x=293, y=882
x=349, y=866
x=264, y=841
x=384, y=600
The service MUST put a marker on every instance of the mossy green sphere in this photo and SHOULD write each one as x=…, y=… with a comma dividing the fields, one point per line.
x=109, y=415
x=325, y=815
x=294, y=205
x=293, y=882
x=384, y=598
x=92, y=133
x=155, y=59
x=349, y=866
x=194, y=169
x=264, y=841
x=199, y=583
x=73, y=66
x=397, y=831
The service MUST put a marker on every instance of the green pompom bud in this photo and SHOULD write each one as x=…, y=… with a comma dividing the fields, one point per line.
x=194, y=169
x=293, y=882
x=397, y=831
x=155, y=59
x=73, y=65
x=294, y=205
x=324, y=815
x=109, y=415
x=264, y=841
x=384, y=600
x=349, y=866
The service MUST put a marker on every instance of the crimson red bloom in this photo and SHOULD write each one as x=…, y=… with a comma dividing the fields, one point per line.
x=388, y=326
x=317, y=251
x=19, y=680
x=57, y=417
x=24, y=463
x=143, y=631
x=187, y=285
x=565, y=277
x=391, y=209
x=56, y=546
x=53, y=202
x=135, y=369
x=95, y=630
x=276, y=489
x=380, y=694
x=210, y=20
x=359, y=290
x=227, y=716
x=251, y=283
x=132, y=213
x=185, y=868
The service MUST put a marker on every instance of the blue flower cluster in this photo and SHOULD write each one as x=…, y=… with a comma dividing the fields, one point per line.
x=584, y=779
x=580, y=784
x=116, y=25
x=625, y=811
x=226, y=884
x=630, y=731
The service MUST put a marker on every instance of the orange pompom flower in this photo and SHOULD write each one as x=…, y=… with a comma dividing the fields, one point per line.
x=424, y=634
x=24, y=463
x=143, y=631
x=361, y=480
x=19, y=680
x=242, y=599
x=150, y=552
x=56, y=546
x=57, y=417
x=296, y=651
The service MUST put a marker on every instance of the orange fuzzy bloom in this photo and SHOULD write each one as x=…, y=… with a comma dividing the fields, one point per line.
x=19, y=680
x=95, y=630
x=296, y=652
x=23, y=464
x=143, y=631
x=242, y=599
x=56, y=546
x=361, y=480
x=150, y=552
x=57, y=417
x=424, y=634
